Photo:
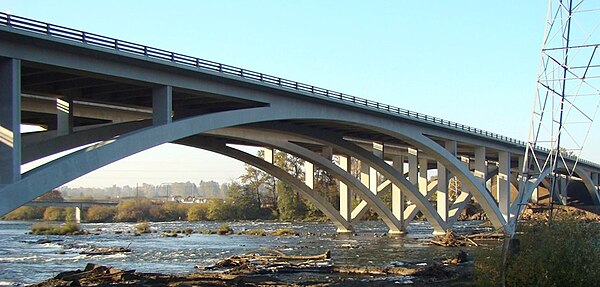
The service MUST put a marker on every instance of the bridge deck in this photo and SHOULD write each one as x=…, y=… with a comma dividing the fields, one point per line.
x=41, y=83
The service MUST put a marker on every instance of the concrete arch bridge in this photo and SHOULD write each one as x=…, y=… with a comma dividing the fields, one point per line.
x=117, y=98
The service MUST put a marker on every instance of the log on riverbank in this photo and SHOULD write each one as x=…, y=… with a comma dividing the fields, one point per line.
x=98, y=275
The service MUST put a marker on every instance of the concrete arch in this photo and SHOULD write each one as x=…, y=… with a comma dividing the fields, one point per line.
x=388, y=218
x=62, y=170
x=42, y=144
x=381, y=166
x=65, y=169
x=432, y=148
x=219, y=147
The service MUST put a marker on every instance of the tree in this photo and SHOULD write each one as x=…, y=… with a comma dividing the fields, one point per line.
x=220, y=210
x=174, y=211
x=52, y=196
x=137, y=210
x=247, y=205
x=25, y=213
x=53, y=213
x=99, y=213
x=198, y=212
x=255, y=179
x=289, y=203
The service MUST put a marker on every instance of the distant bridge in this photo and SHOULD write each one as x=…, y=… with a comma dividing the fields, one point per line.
x=122, y=98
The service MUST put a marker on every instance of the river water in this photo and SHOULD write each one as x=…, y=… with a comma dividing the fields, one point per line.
x=23, y=260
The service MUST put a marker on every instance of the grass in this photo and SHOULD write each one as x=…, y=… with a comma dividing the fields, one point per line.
x=46, y=229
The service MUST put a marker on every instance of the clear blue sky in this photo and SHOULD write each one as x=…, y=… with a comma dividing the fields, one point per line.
x=472, y=62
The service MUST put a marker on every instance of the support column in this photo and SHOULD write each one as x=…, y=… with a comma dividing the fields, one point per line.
x=443, y=200
x=535, y=196
x=413, y=167
x=503, y=184
x=373, y=178
x=162, y=105
x=397, y=196
x=64, y=116
x=364, y=174
x=595, y=179
x=328, y=152
x=423, y=168
x=10, y=120
x=309, y=174
x=268, y=155
x=77, y=214
x=345, y=195
x=479, y=165
x=563, y=180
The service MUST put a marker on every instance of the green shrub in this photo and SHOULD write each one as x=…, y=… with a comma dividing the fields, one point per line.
x=143, y=227
x=224, y=230
x=65, y=229
x=562, y=253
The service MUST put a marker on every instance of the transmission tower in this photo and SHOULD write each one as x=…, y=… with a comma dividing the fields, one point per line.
x=567, y=95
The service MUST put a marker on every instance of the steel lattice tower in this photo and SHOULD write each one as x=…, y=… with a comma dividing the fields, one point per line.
x=567, y=95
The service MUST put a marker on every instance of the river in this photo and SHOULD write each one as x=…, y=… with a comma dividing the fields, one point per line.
x=23, y=260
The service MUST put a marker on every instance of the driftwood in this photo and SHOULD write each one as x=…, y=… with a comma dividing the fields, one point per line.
x=485, y=236
x=281, y=255
x=97, y=275
x=452, y=240
x=274, y=262
x=105, y=251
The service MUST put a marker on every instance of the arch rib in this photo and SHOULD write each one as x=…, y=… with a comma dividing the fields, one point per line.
x=62, y=170
x=380, y=165
x=430, y=147
x=220, y=147
x=262, y=137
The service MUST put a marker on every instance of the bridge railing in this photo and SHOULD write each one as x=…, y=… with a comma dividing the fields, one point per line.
x=92, y=39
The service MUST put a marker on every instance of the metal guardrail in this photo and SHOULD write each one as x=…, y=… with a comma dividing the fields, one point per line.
x=96, y=40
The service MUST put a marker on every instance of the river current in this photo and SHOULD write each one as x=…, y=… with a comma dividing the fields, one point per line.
x=24, y=259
